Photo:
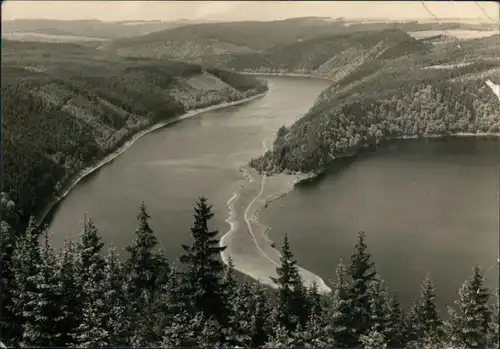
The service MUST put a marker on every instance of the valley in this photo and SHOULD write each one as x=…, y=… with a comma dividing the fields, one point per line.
x=87, y=105
x=300, y=132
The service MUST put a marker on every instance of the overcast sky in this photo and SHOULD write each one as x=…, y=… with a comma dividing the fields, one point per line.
x=242, y=10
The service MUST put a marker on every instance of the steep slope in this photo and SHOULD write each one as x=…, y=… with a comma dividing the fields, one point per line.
x=65, y=107
x=400, y=98
x=333, y=56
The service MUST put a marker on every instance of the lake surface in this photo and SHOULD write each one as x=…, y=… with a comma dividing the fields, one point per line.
x=170, y=168
x=427, y=206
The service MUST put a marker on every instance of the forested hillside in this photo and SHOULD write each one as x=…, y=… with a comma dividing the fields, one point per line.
x=395, y=95
x=65, y=106
x=85, y=296
x=333, y=56
x=293, y=44
x=195, y=41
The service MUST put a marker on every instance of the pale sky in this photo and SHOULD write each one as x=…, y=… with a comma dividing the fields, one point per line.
x=243, y=10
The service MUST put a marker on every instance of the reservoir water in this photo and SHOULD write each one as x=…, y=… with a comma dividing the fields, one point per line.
x=171, y=167
x=426, y=206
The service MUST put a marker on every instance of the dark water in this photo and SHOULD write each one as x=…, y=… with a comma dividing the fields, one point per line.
x=170, y=168
x=426, y=207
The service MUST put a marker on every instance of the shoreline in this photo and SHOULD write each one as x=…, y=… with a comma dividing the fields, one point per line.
x=40, y=218
x=452, y=135
x=294, y=75
x=247, y=241
x=355, y=149
x=293, y=180
x=256, y=270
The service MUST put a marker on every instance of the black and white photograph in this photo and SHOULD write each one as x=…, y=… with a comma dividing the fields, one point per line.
x=250, y=174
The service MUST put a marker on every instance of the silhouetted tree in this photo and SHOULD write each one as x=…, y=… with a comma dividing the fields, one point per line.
x=468, y=325
x=361, y=270
x=203, y=278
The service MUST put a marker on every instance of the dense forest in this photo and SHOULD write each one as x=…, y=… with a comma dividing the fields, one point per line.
x=66, y=106
x=331, y=131
x=394, y=95
x=333, y=55
x=83, y=296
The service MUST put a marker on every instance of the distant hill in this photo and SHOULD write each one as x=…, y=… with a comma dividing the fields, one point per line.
x=87, y=28
x=222, y=38
x=332, y=56
x=66, y=106
x=192, y=42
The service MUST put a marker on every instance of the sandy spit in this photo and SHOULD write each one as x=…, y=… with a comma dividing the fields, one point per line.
x=248, y=243
x=247, y=240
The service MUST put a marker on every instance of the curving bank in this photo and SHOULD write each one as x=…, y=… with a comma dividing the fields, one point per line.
x=40, y=218
x=343, y=122
x=87, y=107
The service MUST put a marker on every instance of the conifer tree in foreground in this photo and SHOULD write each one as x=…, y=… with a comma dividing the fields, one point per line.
x=92, y=331
x=77, y=298
x=469, y=321
x=115, y=300
x=410, y=326
x=281, y=338
x=315, y=301
x=494, y=336
x=260, y=322
x=202, y=280
x=175, y=318
x=71, y=290
x=291, y=296
x=8, y=324
x=240, y=306
x=46, y=309
x=380, y=314
x=362, y=273
x=89, y=249
x=429, y=323
x=230, y=285
x=90, y=273
x=171, y=301
x=146, y=269
x=397, y=318
x=25, y=268
x=339, y=308
x=316, y=332
x=373, y=340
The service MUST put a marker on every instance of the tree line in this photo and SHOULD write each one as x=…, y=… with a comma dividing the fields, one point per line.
x=342, y=122
x=84, y=296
